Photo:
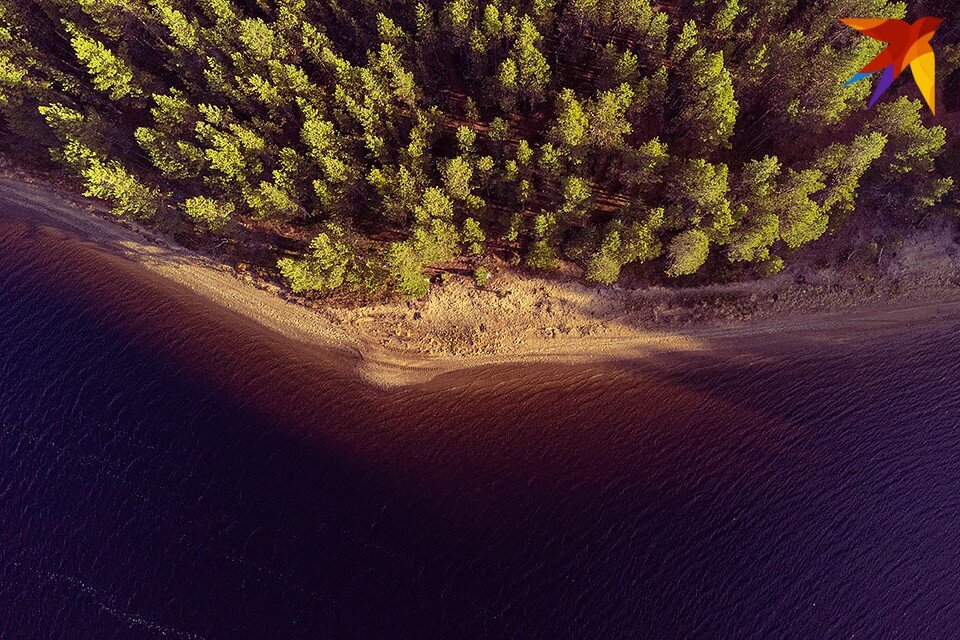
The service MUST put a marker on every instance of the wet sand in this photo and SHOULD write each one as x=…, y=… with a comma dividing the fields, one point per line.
x=497, y=329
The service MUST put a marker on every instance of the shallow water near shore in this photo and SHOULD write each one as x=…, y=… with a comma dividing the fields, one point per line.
x=170, y=469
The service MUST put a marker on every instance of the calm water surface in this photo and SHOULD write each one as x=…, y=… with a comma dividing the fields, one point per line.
x=168, y=470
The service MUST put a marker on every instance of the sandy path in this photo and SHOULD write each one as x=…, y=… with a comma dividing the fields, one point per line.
x=487, y=329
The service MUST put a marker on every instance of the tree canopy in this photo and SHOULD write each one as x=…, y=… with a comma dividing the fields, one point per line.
x=407, y=134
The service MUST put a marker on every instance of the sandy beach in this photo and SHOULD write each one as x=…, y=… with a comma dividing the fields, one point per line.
x=527, y=319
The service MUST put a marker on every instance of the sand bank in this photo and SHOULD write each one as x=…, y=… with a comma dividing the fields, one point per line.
x=525, y=319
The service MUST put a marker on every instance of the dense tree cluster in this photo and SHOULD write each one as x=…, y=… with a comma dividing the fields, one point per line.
x=411, y=133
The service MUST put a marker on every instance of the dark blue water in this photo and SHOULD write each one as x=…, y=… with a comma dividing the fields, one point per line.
x=168, y=470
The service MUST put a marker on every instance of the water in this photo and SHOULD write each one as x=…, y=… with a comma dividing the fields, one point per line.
x=168, y=470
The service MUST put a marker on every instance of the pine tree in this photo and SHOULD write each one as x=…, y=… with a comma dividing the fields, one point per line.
x=756, y=194
x=208, y=212
x=570, y=128
x=625, y=243
x=171, y=142
x=700, y=196
x=542, y=255
x=526, y=71
x=604, y=266
x=107, y=71
x=687, y=252
x=457, y=174
x=607, y=117
x=911, y=147
x=127, y=195
x=801, y=219
x=406, y=267
x=330, y=263
x=474, y=237
x=842, y=167
x=710, y=109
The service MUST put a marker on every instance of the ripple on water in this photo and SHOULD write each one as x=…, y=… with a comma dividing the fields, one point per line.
x=169, y=470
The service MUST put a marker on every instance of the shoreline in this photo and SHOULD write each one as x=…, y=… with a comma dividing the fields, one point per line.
x=528, y=319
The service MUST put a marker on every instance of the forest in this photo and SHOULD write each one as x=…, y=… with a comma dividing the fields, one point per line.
x=379, y=140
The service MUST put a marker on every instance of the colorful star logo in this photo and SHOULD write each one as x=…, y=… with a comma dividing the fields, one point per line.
x=907, y=44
